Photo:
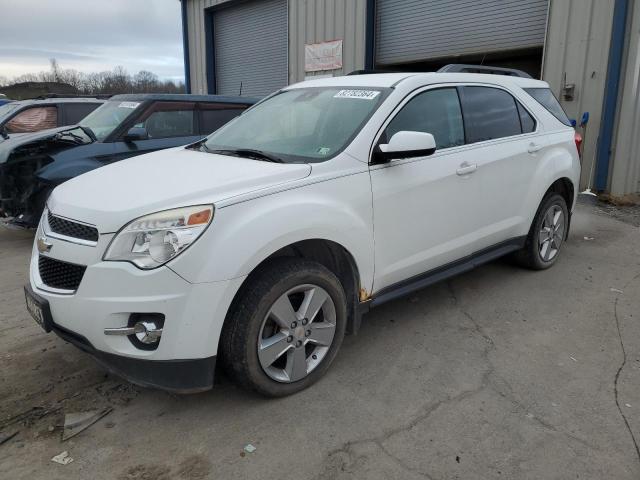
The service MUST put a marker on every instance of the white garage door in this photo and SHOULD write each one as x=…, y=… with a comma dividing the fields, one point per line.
x=250, y=45
x=415, y=30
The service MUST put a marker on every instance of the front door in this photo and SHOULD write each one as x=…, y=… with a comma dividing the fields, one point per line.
x=425, y=209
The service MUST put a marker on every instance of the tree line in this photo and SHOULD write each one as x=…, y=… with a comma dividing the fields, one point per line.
x=114, y=81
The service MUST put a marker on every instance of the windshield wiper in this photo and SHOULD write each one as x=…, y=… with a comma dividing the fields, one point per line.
x=69, y=133
x=249, y=153
x=89, y=133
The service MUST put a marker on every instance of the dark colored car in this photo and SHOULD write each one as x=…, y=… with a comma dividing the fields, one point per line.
x=32, y=165
x=26, y=116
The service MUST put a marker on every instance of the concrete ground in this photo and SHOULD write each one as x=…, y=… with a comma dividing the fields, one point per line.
x=499, y=373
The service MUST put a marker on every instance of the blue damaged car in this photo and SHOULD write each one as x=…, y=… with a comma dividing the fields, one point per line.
x=33, y=164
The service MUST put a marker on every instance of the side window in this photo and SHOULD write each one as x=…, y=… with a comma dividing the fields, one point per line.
x=74, y=112
x=436, y=112
x=214, y=115
x=489, y=113
x=526, y=120
x=545, y=97
x=33, y=120
x=169, y=119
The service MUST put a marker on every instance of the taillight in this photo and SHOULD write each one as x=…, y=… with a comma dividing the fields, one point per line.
x=578, y=139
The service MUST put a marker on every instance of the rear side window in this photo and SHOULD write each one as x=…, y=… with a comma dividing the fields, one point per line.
x=545, y=97
x=74, y=112
x=169, y=119
x=214, y=115
x=526, y=120
x=489, y=113
x=33, y=120
x=436, y=112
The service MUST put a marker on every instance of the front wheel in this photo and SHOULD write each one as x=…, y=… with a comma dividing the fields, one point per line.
x=547, y=234
x=286, y=328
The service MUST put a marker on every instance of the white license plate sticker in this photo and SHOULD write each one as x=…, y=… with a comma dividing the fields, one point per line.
x=361, y=94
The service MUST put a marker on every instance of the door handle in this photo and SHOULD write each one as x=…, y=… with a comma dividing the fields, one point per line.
x=534, y=147
x=465, y=168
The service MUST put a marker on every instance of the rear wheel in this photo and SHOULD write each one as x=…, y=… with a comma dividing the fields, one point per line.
x=286, y=328
x=547, y=234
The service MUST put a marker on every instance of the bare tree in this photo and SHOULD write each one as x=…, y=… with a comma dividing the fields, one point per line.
x=111, y=82
x=145, y=81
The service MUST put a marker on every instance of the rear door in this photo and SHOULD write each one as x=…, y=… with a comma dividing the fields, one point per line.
x=507, y=147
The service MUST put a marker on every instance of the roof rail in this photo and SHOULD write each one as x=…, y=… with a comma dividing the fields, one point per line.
x=463, y=68
x=370, y=72
x=99, y=96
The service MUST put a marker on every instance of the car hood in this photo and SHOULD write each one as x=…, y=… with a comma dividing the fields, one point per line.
x=111, y=196
x=16, y=140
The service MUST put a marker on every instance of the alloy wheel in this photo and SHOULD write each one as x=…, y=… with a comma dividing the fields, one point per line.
x=551, y=233
x=296, y=333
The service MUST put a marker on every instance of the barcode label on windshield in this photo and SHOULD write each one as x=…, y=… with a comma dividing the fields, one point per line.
x=361, y=94
x=129, y=104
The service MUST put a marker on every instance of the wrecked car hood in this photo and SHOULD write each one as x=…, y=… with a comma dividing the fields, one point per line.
x=111, y=196
x=17, y=140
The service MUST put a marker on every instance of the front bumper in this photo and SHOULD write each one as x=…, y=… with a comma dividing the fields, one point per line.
x=110, y=292
x=179, y=376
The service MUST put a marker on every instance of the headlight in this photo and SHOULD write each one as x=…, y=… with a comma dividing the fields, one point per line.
x=151, y=241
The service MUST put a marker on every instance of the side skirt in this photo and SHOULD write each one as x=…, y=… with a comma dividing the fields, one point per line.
x=439, y=274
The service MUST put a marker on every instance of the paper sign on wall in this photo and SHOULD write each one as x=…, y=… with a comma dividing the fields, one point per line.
x=323, y=56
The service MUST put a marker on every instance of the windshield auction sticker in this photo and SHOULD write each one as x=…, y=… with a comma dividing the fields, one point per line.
x=129, y=104
x=361, y=94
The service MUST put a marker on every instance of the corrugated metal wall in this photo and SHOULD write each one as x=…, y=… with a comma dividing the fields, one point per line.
x=313, y=21
x=310, y=21
x=410, y=30
x=251, y=49
x=625, y=172
x=577, y=45
x=197, y=42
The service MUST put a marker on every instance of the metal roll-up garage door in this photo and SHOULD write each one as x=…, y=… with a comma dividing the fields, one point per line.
x=415, y=30
x=250, y=44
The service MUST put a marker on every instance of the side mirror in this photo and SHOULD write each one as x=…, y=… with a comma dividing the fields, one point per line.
x=136, y=133
x=405, y=144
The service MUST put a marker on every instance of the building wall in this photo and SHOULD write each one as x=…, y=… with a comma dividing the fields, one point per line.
x=197, y=43
x=577, y=44
x=314, y=21
x=625, y=172
x=310, y=21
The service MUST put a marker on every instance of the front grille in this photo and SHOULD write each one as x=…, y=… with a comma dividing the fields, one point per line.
x=58, y=274
x=72, y=229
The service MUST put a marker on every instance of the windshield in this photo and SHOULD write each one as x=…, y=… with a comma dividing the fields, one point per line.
x=104, y=119
x=300, y=125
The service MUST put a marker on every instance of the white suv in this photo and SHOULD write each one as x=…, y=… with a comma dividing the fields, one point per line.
x=259, y=247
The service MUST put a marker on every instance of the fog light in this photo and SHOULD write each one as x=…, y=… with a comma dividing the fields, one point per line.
x=144, y=330
x=147, y=332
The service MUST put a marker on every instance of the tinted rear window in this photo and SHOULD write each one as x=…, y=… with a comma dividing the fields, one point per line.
x=74, y=112
x=545, y=97
x=213, y=116
x=527, y=121
x=489, y=113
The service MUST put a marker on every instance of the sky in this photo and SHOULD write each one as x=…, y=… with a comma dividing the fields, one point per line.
x=91, y=36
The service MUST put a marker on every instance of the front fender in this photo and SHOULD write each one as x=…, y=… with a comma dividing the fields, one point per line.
x=243, y=235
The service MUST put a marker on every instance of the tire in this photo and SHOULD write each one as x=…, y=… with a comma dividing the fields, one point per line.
x=534, y=255
x=260, y=327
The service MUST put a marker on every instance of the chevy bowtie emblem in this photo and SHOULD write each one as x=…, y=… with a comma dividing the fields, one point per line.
x=43, y=245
